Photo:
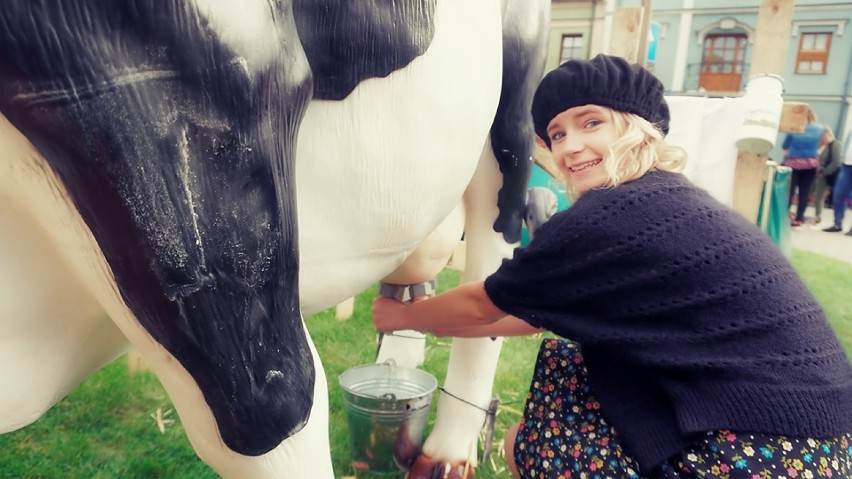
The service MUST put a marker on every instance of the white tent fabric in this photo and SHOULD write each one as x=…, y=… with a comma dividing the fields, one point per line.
x=707, y=128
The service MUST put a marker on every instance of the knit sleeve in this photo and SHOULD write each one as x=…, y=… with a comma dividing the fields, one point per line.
x=633, y=261
x=539, y=283
x=787, y=139
x=585, y=264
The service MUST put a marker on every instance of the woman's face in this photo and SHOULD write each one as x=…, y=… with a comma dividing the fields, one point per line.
x=580, y=138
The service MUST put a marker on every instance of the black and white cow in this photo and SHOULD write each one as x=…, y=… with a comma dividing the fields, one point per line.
x=153, y=157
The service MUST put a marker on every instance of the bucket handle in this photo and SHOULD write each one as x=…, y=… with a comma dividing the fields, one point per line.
x=389, y=396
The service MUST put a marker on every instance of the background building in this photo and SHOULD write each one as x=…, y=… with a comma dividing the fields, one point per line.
x=704, y=47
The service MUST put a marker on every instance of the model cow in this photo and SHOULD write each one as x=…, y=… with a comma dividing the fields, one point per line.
x=157, y=157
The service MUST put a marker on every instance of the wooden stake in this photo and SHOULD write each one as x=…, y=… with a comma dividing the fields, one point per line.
x=772, y=34
x=748, y=184
x=344, y=310
x=774, y=21
x=626, y=30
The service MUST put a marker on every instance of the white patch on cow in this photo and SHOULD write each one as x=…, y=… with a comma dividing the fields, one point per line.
x=53, y=332
x=187, y=189
x=393, y=159
x=246, y=27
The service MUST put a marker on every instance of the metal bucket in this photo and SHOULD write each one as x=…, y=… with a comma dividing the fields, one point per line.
x=387, y=407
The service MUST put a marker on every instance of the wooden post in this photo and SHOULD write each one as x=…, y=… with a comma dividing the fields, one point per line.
x=772, y=35
x=644, y=31
x=748, y=183
x=626, y=29
x=344, y=310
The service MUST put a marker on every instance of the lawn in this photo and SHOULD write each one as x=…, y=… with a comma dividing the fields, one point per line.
x=107, y=428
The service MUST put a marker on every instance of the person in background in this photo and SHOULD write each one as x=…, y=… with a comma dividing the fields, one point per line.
x=842, y=188
x=830, y=159
x=703, y=352
x=801, y=153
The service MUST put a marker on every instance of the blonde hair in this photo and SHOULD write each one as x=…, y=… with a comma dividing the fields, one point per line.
x=812, y=116
x=639, y=148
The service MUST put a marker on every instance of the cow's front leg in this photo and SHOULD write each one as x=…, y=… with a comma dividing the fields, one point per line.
x=491, y=229
x=450, y=451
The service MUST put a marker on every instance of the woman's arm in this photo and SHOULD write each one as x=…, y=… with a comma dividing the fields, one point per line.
x=507, y=326
x=462, y=307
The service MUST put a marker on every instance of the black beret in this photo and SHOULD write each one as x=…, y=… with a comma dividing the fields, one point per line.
x=604, y=80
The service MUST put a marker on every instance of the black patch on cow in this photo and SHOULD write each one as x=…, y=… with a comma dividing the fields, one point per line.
x=512, y=134
x=180, y=161
x=349, y=41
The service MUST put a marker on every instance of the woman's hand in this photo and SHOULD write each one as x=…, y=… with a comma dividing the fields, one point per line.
x=388, y=314
x=464, y=306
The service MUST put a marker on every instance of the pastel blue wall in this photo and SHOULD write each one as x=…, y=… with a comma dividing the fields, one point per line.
x=827, y=94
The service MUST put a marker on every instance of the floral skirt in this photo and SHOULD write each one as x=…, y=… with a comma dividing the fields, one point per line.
x=563, y=435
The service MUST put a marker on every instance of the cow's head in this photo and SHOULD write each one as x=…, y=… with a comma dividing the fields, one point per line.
x=175, y=142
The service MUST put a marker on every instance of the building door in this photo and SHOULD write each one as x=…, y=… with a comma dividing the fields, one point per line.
x=723, y=61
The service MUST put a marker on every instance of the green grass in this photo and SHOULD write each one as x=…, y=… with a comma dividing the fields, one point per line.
x=829, y=280
x=104, y=428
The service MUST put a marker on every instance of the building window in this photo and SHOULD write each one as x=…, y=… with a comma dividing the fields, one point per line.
x=723, y=63
x=724, y=54
x=813, y=53
x=572, y=47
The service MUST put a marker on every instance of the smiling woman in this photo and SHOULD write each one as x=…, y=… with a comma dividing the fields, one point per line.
x=607, y=123
x=598, y=147
x=698, y=337
x=580, y=139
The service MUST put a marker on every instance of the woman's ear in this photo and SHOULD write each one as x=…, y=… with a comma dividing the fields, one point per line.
x=541, y=143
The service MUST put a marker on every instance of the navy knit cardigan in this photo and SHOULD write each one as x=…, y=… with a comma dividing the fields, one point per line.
x=690, y=318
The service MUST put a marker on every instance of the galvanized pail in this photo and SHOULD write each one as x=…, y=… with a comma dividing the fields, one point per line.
x=387, y=407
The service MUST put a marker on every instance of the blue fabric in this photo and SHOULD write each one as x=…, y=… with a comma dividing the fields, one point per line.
x=805, y=144
x=840, y=193
x=778, y=222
